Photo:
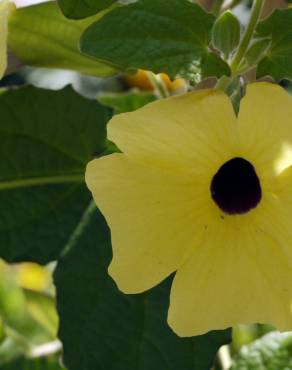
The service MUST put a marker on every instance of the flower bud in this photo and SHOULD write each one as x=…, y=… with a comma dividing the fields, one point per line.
x=226, y=33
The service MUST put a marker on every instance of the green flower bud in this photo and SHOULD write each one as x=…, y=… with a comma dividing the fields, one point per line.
x=226, y=33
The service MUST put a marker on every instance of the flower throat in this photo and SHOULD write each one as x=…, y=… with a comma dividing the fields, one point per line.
x=236, y=188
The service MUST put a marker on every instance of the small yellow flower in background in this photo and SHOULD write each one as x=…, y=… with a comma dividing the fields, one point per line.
x=141, y=80
x=207, y=194
x=33, y=276
x=6, y=8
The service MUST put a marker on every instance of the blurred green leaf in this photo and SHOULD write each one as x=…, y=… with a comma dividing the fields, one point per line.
x=170, y=36
x=21, y=332
x=271, y=352
x=17, y=320
x=78, y=9
x=10, y=350
x=277, y=62
x=42, y=308
x=102, y=328
x=127, y=102
x=40, y=35
x=46, y=140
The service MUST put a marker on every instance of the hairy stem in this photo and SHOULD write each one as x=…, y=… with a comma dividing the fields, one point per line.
x=158, y=85
x=217, y=7
x=255, y=14
x=233, y=4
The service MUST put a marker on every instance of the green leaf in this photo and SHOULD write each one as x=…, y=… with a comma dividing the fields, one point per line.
x=33, y=364
x=226, y=33
x=17, y=320
x=257, y=52
x=271, y=352
x=170, y=36
x=41, y=307
x=78, y=9
x=10, y=350
x=39, y=35
x=102, y=328
x=127, y=102
x=46, y=140
x=278, y=60
x=234, y=91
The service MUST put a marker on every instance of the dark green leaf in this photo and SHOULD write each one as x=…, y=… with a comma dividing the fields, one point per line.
x=170, y=36
x=127, y=102
x=78, y=9
x=46, y=140
x=102, y=328
x=278, y=60
x=33, y=364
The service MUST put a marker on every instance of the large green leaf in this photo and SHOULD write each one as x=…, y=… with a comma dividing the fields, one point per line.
x=102, y=328
x=46, y=140
x=170, y=36
x=77, y=9
x=33, y=364
x=40, y=35
x=278, y=59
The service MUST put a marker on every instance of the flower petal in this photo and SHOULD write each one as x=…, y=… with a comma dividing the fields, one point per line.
x=190, y=131
x=265, y=127
x=233, y=277
x=5, y=9
x=282, y=220
x=152, y=214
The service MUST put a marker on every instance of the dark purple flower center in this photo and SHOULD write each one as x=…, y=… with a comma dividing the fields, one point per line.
x=236, y=188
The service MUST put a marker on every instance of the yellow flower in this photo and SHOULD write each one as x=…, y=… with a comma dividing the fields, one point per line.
x=208, y=195
x=5, y=9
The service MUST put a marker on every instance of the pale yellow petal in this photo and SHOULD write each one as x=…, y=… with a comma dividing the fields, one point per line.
x=193, y=131
x=154, y=217
x=241, y=273
x=265, y=127
x=5, y=9
x=280, y=218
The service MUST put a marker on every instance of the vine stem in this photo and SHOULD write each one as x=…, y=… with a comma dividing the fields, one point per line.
x=217, y=7
x=255, y=14
x=232, y=4
x=158, y=85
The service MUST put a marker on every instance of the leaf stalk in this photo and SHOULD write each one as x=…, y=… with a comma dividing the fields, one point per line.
x=243, y=46
x=158, y=85
x=216, y=8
